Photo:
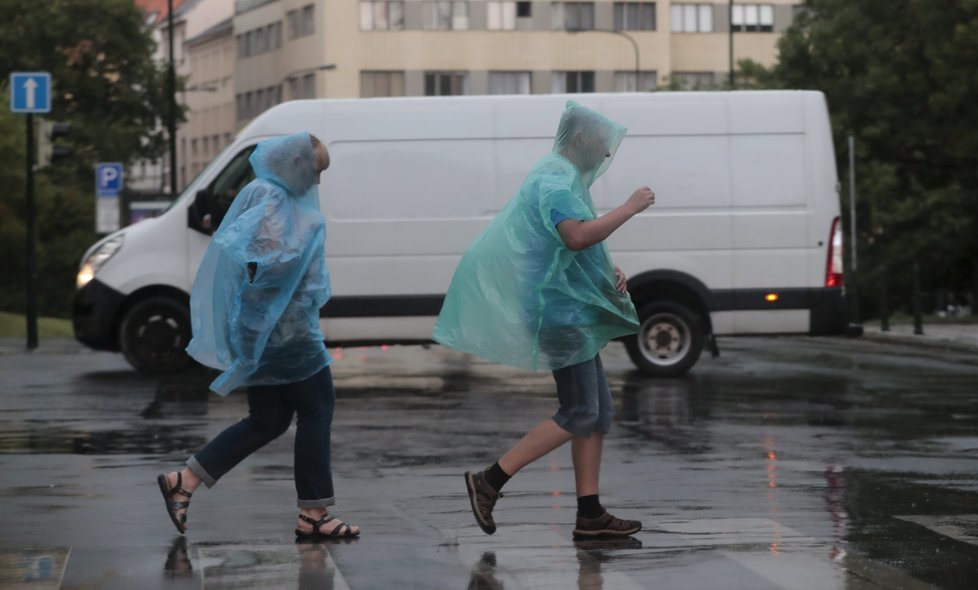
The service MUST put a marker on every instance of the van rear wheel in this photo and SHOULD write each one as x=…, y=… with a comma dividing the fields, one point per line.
x=669, y=341
x=154, y=335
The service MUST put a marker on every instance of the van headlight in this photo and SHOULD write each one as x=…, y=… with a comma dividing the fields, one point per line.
x=94, y=261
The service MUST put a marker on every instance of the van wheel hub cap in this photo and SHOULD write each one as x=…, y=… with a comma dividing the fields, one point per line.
x=664, y=339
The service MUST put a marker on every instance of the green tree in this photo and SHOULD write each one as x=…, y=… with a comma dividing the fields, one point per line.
x=900, y=76
x=107, y=85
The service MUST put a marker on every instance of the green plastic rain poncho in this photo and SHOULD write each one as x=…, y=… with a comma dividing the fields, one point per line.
x=519, y=296
x=255, y=302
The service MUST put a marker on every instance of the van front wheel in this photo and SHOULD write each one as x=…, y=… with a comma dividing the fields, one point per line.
x=154, y=334
x=669, y=340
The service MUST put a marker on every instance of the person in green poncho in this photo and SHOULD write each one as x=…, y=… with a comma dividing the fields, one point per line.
x=537, y=290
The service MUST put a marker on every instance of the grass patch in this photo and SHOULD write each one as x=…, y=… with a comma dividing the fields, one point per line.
x=14, y=325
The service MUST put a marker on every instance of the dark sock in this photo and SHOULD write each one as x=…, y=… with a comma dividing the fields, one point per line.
x=589, y=506
x=496, y=477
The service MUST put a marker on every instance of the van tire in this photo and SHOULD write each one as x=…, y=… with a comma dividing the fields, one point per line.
x=669, y=341
x=154, y=334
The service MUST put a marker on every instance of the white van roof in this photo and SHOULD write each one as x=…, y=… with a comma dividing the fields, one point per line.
x=757, y=111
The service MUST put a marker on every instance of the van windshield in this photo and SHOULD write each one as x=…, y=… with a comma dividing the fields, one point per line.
x=205, y=170
x=229, y=183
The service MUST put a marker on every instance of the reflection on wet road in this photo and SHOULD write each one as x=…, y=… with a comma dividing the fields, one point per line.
x=785, y=463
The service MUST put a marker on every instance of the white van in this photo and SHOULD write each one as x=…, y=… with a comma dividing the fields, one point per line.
x=744, y=237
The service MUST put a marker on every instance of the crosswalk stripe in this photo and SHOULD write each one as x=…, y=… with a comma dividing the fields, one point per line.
x=217, y=555
x=955, y=526
x=789, y=559
x=535, y=556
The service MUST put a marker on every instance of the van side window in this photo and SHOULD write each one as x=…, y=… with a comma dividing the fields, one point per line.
x=229, y=183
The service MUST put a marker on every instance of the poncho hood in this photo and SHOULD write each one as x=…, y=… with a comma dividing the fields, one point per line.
x=288, y=161
x=588, y=139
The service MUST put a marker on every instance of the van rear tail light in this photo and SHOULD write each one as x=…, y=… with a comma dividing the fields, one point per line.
x=833, y=267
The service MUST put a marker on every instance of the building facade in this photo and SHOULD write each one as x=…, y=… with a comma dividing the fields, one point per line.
x=209, y=98
x=290, y=49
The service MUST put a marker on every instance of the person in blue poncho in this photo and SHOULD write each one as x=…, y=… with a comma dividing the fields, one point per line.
x=537, y=290
x=255, y=316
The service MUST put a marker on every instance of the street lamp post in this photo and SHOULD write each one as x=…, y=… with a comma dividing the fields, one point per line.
x=171, y=121
x=730, y=32
x=623, y=34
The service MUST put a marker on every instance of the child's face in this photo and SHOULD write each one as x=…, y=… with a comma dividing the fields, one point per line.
x=593, y=149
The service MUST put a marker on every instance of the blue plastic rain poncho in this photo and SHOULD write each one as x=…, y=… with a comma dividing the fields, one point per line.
x=519, y=296
x=255, y=302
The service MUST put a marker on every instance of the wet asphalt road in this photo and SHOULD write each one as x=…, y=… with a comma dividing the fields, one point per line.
x=785, y=463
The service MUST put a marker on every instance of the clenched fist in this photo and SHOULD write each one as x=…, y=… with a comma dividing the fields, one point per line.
x=641, y=200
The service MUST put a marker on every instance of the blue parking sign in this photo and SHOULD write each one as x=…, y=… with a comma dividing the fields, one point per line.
x=108, y=179
x=30, y=92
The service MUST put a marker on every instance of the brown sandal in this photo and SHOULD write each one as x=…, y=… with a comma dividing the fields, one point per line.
x=605, y=525
x=179, y=519
x=340, y=531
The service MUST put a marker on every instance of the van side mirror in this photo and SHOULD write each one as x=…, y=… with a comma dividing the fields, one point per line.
x=199, y=214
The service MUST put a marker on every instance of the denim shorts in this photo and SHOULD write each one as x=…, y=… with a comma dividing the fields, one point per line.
x=585, y=399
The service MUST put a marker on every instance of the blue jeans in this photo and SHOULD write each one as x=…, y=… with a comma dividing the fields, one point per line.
x=585, y=399
x=270, y=411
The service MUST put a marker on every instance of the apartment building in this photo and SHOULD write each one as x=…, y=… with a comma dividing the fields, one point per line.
x=290, y=49
x=209, y=97
x=191, y=19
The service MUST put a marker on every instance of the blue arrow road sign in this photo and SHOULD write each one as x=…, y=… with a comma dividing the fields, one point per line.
x=30, y=92
x=108, y=179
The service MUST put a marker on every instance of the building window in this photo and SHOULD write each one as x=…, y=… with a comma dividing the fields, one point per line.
x=509, y=83
x=692, y=80
x=381, y=84
x=625, y=81
x=302, y=21
x=302, y=87
x=572, y=82
x=446, y=16
x=635, y=16
x=753, y=18
x=691, y=18
x=275, y=30
x=446, y=83
x=260, y=40
x=381, y=15
x=501, y=16
x=572, y=16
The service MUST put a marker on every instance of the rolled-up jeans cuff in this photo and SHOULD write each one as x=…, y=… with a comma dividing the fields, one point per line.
x=200, y=472
x=316, y=503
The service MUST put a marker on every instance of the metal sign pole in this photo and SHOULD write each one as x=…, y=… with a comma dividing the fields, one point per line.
x=31, y=262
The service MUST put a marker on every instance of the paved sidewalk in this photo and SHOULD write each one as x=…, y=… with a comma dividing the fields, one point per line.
x=961, y=336
x=60, y=345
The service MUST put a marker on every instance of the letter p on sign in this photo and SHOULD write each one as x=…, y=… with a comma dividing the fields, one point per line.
x=108, y=179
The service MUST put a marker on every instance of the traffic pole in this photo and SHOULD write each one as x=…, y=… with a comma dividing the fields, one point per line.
x=918, y=314
x=31, y=262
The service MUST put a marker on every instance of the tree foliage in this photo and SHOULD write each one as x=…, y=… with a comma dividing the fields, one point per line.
x=107, y=85
x=900, y=76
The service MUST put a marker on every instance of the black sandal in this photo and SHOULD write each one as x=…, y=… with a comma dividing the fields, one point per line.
x=179, y=519
x=340, y=531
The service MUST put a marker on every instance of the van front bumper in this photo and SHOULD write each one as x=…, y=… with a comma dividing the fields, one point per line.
x=93, y=315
